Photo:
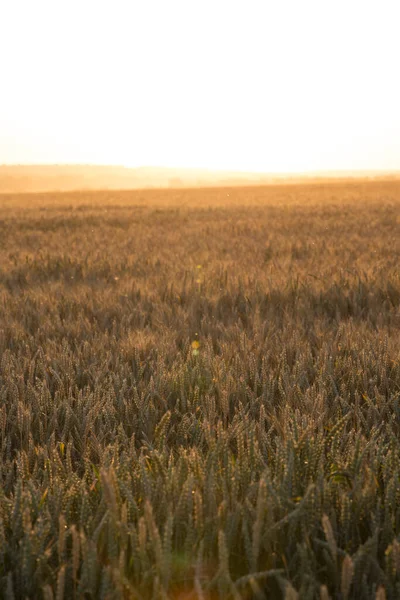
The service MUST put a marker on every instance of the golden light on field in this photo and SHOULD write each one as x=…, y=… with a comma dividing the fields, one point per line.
x=258, y=86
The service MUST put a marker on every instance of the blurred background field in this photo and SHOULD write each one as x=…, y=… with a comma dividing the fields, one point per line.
x=200, y=393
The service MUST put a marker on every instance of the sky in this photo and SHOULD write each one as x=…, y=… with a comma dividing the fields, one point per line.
x=272, y=86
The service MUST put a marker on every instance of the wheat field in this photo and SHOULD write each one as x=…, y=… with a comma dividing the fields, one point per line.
x=200, y=393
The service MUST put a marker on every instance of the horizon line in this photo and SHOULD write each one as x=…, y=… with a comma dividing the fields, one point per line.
x=305, y=173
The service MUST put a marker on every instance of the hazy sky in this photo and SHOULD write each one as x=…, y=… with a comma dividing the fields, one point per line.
x=269, y=85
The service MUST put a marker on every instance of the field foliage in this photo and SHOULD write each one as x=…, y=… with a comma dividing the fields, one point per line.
x=200, y=393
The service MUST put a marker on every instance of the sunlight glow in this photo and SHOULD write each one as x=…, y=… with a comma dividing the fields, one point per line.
x=271, y=86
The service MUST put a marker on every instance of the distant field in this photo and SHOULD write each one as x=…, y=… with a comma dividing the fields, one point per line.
x=200, y=393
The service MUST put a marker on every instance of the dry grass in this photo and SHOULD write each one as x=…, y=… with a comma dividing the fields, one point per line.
x=263, y=462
